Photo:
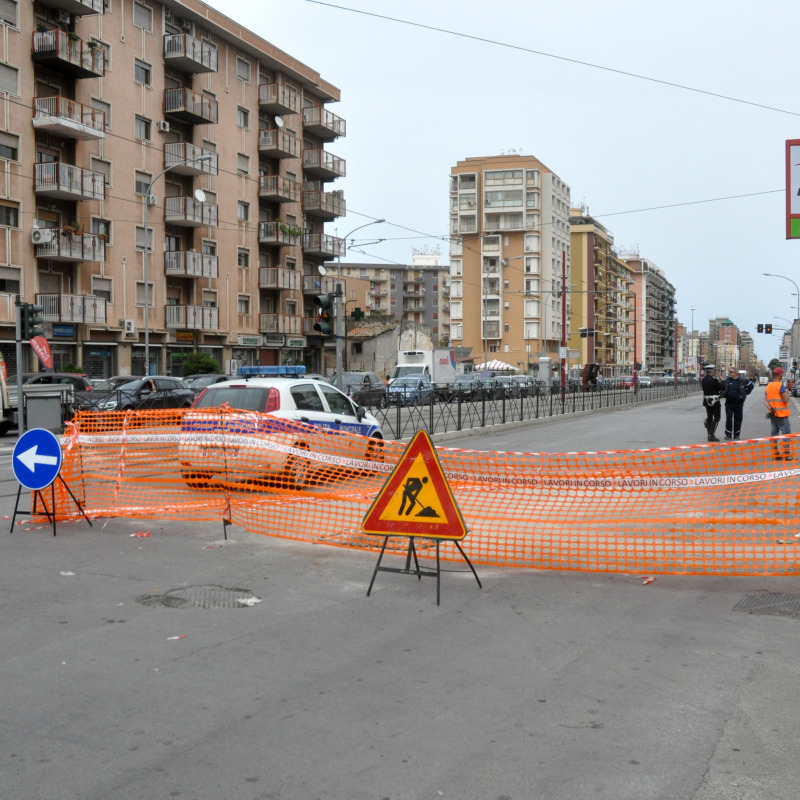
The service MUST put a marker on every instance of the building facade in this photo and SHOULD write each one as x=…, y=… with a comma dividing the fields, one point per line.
x=168, y=157
x=509, y=258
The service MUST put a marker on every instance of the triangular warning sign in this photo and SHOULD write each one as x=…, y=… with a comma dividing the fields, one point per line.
x=416, y=499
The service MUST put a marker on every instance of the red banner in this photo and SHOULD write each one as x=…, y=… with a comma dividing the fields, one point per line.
x=42, y=349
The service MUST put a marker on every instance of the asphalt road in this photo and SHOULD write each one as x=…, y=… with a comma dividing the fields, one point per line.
x=560, y=686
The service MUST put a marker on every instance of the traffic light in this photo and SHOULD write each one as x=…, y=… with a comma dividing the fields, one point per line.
x=768, y=328
x=760, y=328
x=324, y=323
x=31, y=320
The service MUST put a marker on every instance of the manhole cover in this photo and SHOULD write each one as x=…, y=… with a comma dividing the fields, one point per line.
x=201, y=597
x=773, y=603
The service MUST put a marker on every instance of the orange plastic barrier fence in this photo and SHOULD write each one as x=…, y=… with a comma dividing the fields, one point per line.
x=719, y=509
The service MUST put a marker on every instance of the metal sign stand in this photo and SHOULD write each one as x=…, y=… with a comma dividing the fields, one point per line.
x=51, y=515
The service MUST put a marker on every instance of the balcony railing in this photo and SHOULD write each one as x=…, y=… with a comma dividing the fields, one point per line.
x=322, y=164
x=68, y=182
x=189, y=106
x=327, y=205
x=68, y=118
x=323, y=123
x=279, y=323
x=187, y=264
x=274, y=187
x=189, y=212
x=277, y=98
x=184, y=52
x=278, y=144
x=277, y=233
x=72, y=247
x=181, y=157
x=193, y=318
x=321, y=244
x=65, y=53
x=72, y=308
x=278, y=278
x=316, y=284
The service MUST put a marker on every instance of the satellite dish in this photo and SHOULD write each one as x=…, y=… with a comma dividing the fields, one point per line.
x=199, y=195
x=279, y=122
x=322, y=270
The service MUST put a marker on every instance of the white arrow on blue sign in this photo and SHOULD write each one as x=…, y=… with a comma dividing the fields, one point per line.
x=36, y=460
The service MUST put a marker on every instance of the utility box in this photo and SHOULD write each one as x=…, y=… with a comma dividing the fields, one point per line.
x=545, y=369
x=48, y=406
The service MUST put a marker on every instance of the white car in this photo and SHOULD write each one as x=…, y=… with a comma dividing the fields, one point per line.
x=287, y=429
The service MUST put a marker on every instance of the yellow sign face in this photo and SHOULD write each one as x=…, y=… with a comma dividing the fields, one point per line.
x=415, y=498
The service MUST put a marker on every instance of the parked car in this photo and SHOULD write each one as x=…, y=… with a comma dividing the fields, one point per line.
x=366, y=388
x=199, y=382
x=410, y=390
x=462, y=389
x=123, y=393
x=256, y=443
x=78, y=381
x=507, y=385
x=526, y=385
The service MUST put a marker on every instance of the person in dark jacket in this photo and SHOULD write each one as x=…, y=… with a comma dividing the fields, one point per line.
x=712, y=391
x=736, y=389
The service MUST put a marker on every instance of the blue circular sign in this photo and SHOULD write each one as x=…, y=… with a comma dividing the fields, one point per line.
x=36, y=460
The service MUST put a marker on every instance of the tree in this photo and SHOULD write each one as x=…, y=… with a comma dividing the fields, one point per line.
x=199, y=363
x=774, y=363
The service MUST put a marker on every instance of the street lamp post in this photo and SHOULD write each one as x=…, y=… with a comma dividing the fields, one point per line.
x=797, y=318
x=149, y=200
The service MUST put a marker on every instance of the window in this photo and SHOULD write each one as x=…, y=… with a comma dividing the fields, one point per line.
x=456, y=330
x=8, y=12
x=101, y=166
x=531, y=330
x=502, y=176
x=140, y=294
x=531, y=308
x=142, y=72
x=243, y=257
x=532, y=242
x=101, y=287
x=209, y=299
x=531, y=285
x=242, y=211
x=208, y=247
x=532, y=199
x=99, y=105
x=9, y=214
x=9, y=146
x=106, y=48
x=242, y=164
x=143, y=17
x=455, y=310
x=243, y=69
x=455, y=268
x=456, y=289
x=142, y=182
x=141, y=128
x=532, y=177
x=9, y=80
x=242, y=117
x=532, y=266
x=101, y=227
x=243, y=304
x=140, y=238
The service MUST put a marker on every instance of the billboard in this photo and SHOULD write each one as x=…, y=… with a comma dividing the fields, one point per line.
x=793, y=188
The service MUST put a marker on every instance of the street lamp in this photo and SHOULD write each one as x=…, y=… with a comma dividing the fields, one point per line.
x=773, y=275
x=148, y=199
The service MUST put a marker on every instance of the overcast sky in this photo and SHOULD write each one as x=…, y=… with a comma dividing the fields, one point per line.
x=650, y=160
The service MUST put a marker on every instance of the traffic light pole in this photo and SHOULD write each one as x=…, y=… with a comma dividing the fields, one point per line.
x=339, y=324
x=18, y=338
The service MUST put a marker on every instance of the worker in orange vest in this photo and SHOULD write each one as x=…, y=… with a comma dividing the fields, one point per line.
x=777, y=402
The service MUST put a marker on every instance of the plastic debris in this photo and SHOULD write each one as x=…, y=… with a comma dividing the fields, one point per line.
x=65, y=574
x=141, y=534
x=248, y=601
x=175, y=638
x=648, y=579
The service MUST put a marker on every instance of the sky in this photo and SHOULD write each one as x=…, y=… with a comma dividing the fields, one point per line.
x=694, y=178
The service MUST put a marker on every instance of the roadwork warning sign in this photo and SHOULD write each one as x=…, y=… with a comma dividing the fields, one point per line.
x=416, y=499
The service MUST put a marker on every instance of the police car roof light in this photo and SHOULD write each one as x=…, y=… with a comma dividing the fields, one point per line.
x=272, y=371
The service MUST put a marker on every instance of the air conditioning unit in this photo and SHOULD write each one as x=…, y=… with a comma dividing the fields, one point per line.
x=129, y=326
x=163, y=126
x=168, y=15
x=60, y=15
x=43, y=235
x=151, y=199
x=186, y=24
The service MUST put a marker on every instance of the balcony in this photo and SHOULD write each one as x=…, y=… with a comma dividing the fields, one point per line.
x=278, y=278
x=278, y=233
x=278, y=144
x=308, y=326
x=281, y=190
x=182, y=51
x=79, y=8
x=72, y=308
x=324, y=205
x=279, y=323
x=66, y=54
x=277, y=99
x=68, y=182
x=188, y=264
x=181, y=157
x=321, y=244
x=324, y=165
x=72, y=247
x=65, y=117
x=189, y=106
x=189, y=212
x=317, y=284
x=323, y=123
x=192, y=318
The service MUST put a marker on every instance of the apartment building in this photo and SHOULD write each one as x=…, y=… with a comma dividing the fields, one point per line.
x=165, y=186
x=601, y=311
x=509, y=258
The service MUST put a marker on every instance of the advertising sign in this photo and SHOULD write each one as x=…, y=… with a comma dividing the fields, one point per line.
x=793, y=189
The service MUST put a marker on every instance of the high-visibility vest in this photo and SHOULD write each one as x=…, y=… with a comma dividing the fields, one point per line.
x=776, y=402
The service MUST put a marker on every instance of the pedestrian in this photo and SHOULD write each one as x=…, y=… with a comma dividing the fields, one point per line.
x=736, y=389
x=712, y=391
x=777, y=402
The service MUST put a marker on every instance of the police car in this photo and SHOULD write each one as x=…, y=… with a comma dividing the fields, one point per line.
x=274, y=424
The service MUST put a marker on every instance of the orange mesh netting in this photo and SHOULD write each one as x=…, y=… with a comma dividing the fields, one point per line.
x=721, y=509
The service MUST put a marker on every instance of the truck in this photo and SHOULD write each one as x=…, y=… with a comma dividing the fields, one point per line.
x=8, y=413
x=438, y=365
